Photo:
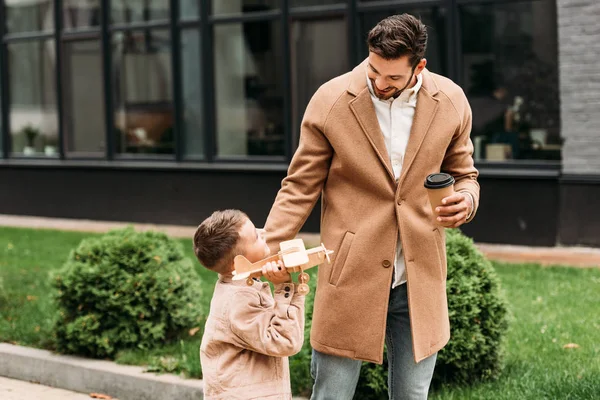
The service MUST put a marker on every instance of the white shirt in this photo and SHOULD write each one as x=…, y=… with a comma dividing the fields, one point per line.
x=395, y=117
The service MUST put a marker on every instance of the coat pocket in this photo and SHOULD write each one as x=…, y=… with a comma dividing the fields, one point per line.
x=340, y=258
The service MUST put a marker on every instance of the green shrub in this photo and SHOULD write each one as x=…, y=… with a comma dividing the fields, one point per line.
x=300, y=363
x=2, y=294
x=478, y=316
x=478, y=322
x=124, y=290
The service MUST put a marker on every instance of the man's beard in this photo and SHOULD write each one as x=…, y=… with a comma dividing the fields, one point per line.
x=387, y=95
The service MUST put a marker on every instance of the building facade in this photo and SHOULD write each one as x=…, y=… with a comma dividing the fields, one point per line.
x=165, y=110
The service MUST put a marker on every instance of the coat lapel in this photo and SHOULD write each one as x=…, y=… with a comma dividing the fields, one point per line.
x=364, y=111
x=424, y=114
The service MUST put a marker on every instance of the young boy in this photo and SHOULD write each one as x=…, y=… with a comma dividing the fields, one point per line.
x=249, y=333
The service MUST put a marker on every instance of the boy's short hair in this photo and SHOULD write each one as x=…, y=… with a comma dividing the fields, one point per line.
x=217, y=238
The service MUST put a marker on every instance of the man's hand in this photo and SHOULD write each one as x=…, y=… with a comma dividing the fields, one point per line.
x=455, y=210
x=276, y=273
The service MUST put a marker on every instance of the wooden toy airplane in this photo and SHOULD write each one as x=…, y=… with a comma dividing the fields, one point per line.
x=294, y=256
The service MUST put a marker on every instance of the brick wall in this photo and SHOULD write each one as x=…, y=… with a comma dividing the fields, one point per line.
x=579, y=61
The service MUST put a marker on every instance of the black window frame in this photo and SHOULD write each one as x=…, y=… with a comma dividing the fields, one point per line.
x=350, y=10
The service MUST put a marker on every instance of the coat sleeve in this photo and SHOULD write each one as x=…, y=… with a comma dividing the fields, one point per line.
x=274, y=329
x=306, y=176
x=458, y=160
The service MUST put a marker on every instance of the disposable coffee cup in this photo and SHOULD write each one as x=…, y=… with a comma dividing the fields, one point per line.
x=439, y=186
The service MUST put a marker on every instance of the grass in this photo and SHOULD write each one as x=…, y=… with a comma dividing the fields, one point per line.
x=551, y=307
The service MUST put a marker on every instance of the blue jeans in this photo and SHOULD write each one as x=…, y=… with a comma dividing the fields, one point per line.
x=336, y=377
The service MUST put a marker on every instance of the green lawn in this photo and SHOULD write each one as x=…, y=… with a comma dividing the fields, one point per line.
x=551, y=307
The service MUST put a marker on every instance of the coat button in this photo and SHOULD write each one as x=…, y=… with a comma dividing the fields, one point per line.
x=287, y=288
x=287, y=295
x=386, y=263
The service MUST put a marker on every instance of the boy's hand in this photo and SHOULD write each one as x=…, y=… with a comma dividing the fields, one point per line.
x=276, y=273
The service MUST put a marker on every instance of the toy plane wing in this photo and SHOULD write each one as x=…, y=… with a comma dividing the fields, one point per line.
x=293, y=255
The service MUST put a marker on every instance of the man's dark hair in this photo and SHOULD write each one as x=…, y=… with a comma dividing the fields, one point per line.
x=398, y=36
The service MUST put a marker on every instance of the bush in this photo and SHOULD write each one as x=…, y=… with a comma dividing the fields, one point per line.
x=478, y=316
x=300, y=363
x=2, y=295
x=124, y=290
x=478, y=322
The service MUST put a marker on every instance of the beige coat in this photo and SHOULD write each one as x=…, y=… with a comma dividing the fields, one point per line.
x=247, y=339
x=342, y=155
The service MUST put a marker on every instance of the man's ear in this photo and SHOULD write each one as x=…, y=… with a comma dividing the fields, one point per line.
x=421, y=66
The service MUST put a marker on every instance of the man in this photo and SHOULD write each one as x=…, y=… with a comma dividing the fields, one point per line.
x=369, y=139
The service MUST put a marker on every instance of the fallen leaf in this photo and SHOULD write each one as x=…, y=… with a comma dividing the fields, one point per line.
x=571, y=346
x=31, y=298
x=37, y=328
x=100, y=396
x=193, y=331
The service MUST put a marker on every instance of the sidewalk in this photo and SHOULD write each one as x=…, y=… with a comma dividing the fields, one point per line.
x=572, y=256
x=12, y=389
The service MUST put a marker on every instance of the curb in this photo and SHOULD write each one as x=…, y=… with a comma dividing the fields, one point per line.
x=89, y=376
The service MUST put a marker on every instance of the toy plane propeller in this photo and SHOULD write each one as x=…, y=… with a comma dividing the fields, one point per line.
x=292, y=254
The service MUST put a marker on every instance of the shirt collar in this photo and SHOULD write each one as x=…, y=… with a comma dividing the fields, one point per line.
x=409, y=94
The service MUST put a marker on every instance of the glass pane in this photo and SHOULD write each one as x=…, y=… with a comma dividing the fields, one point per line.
x=191, y=68
x=83, y=98
x=312, y=64
x=125, y=11
x=249, y=92
x=243, y=6
x=81, y=14
x=510, y=74
x=433, y=17
x=32, y=81
x=29, y=16
x=189, y=9
x=143, y=90
x=308, y=3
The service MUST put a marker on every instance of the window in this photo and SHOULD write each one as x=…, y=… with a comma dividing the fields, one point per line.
x=78, y=14
x=128, y=11
x=308, y=3
x=143, y=92
x=245, y=71
x=189, y=9
x=220, y=7
x=83, y=98
x=32, y=108
x=191, y=69
x=509, y=72
x=248, y=89
x=29, y=16
x=312, y=61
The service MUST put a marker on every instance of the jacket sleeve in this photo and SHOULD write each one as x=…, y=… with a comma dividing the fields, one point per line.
x=275, y=329
x=306, y=176
x=458, y=160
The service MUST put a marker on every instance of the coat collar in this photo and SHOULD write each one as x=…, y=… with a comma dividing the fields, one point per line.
x=228, y=279
x=364, y=111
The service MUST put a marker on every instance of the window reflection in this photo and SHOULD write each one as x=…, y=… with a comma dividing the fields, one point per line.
x=143, y=92
x=509, y=59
